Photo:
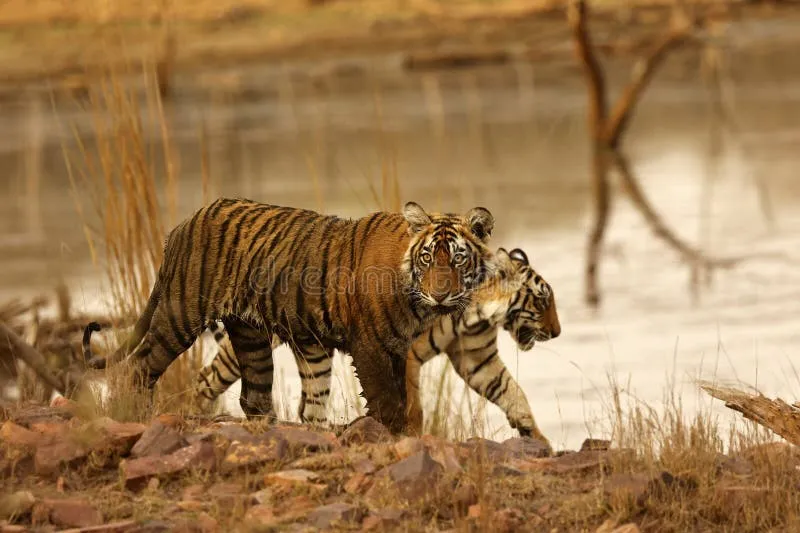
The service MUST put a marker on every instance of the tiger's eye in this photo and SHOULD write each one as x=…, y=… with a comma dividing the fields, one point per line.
x=426, y=257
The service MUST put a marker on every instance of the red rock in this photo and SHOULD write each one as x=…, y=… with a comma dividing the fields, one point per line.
x=622, y=489
x=192, y=492
x=233, y=433
x=477, y=448
x=64, y=453
x=571, y=463
x=334, y=514
x=365, y=430
x=364, y=466
x=158, y=439
x=116, y=437
x=121, y=526
x=357, y=484
x=266, y=449
x=225, y=492
x=383, y=520
x=72, y=513
x=446, y=456
x=599, y=445
x=198, y=456
x=507, y=520
x=170, y=420
x=527, y=447
x=260, y=515
x=301, y=441
x=416, y=477
x=16, y=436
x=408, y=446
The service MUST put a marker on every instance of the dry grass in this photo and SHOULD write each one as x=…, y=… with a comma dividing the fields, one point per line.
x=122, y=198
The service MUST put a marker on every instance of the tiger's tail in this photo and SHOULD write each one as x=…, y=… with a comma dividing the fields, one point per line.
x=139, y=331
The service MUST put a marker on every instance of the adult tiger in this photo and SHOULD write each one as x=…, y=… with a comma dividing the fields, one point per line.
x=318, y=282
x=515, y=298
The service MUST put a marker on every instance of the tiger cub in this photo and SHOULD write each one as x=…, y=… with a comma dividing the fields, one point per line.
x=516, y=298
x=317, y=282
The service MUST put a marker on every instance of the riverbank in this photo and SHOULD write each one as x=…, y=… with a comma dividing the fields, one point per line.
x=60, y=470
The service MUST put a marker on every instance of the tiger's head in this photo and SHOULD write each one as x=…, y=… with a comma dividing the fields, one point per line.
x=532, y=314
x=447, y=257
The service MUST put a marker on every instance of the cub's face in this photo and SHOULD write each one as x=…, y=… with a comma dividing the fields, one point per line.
x=532, y=314
x=447, y=257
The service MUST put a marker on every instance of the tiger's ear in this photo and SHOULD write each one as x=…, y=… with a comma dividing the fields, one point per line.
x=518, y=255
x=416, y=217
x=481, y=222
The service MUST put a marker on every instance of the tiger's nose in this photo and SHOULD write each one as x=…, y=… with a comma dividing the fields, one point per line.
x=555, y=332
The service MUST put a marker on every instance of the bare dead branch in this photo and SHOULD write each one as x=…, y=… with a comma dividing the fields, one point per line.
x=775, y=415
x=577, y=15
x=626, y=104
x=661, y=230
x=18, y=348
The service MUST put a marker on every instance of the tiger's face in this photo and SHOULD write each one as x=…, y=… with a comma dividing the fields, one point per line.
x=447, y=257
x=532, y=314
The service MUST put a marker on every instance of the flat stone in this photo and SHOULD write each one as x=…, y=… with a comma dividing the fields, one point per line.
x=72, y=513
x=527, y=447
x=383, y=519
x=121, y=526
x=416, y=477
x=158, y=439
x=50, y=458
x=334, y=514
x=251, y=455
x=302, y=441
x=504, y=470
x=365, y=430
x=408, y=446
x=293, y=476
x=598, y=445
x=197, y=456
x=477, y=448
x=233, y=432
x=17, y=436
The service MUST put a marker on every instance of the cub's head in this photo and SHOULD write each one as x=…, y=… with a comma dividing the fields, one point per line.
x=531, y=314
x=447, y=256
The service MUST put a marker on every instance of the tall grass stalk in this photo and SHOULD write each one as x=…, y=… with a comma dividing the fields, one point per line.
x=113, y=170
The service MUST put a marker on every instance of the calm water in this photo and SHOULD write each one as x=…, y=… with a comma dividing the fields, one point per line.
x=512, y=139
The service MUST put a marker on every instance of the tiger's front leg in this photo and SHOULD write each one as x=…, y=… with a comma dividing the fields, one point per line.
x=485, y=373
x=382, y=377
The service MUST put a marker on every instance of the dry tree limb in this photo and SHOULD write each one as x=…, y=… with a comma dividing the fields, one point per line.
x=598, y=112
x=11, y=345
x=776, y=415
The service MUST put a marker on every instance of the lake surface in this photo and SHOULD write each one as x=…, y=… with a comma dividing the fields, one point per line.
x=512, y=139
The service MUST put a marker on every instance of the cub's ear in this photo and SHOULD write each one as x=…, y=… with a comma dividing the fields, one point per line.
x=518, y=255
x=502, y=255
x=481, y=222
x=416, y=217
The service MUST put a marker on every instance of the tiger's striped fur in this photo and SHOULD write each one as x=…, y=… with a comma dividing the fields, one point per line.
x=516, y=298
x=317, y=282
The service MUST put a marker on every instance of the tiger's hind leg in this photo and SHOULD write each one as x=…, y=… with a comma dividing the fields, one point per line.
x=169, y=335
x=315, y=365
x=253, y=349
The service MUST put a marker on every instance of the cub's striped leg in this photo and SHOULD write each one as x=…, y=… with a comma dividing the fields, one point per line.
x=476, y=360
x=425, y=347
x=315, y=365
x=253, y=350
